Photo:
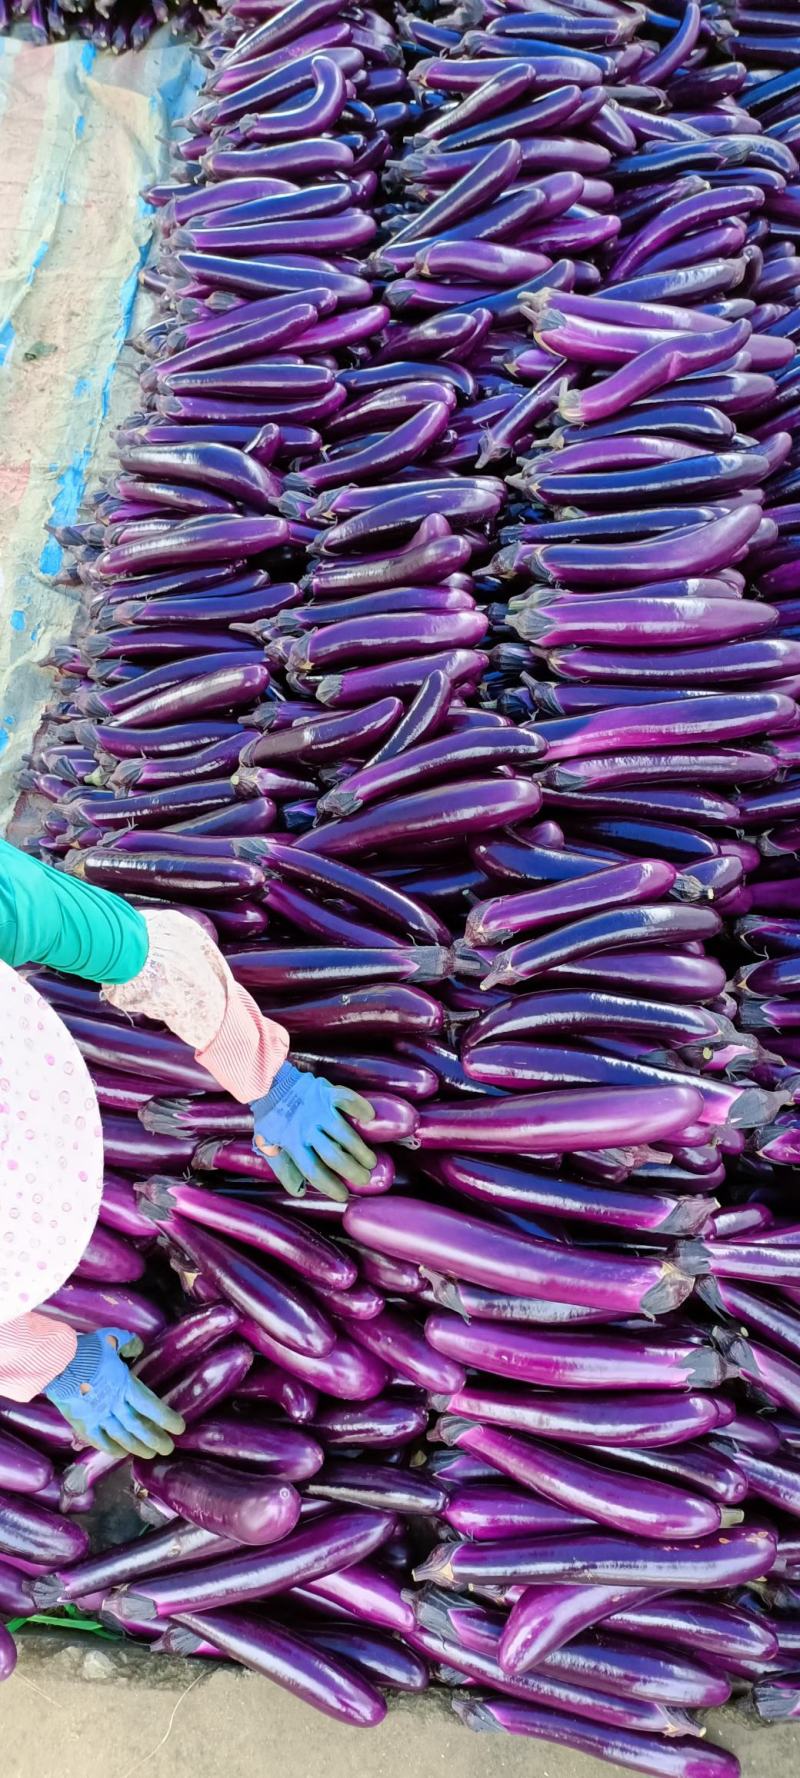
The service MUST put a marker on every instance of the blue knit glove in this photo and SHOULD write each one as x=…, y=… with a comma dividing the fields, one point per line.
x=107, y=1406
x=301, y=1117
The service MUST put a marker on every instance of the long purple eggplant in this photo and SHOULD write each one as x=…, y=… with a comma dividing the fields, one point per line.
x=400, y=1343
x=15, y=1593
x=184, y=1341
x=161, y=873
x=312, y=966
x=37, y=1422
x=283, y=1312
x=384, y=1423
x=606, y=1662
x=613, y=930
x=473, y=806
x=178, y=1545
x=548, y=1123
x=304, y=1669
x=378, y=1656
x=719, y=1632
x=88, y=1306
x=574, y=1360
x=106, y=1256
x=302, y=1250
x=495, y=921
x=473, y=750
x=634, y=1503
x=630, y=1421
x=8, y=1654
x=348, y=1372
x=682, y=1758
x=325, y=1546
x=331, y=879
x=30, y=1531
x=384, y=1486
x=322, y=739
x=118, y=1207
x=363, y=1591
x=488, y=1510
x=130, y=1049
x=23, y=1470
x=214, y=1376
x=462, y=1246
x=504, y=1186
x=606, y=1559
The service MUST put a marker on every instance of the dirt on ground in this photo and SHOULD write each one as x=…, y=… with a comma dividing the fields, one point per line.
x=89, y=1713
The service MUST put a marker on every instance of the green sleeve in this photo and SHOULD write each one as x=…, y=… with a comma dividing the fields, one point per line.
x=48, y=917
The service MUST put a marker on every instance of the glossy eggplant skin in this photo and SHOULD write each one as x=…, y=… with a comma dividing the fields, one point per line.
x=612, y=1498
x=487, y=789
x=220, y=1500
x=314, y=1550
x=302, y=1666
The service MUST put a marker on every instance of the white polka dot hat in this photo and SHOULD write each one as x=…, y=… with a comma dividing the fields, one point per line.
x=51, y=1150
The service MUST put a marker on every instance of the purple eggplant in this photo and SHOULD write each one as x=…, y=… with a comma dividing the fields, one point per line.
x=376, y=1655
x=88, y=1306
x=303, y=1251
x=280, y=1452
x=224, y=1501
x=176, y=1546
x=632, y=1422
x=474, y=806
x=555, y=1360
x=326, y=1545
x=522, y=1189
x=463, y=1246
x=267, y=1383
x=470, y=751
x=185, y=1341
x=682, y=1758
x=23, y=1470
x=384, y=1486
x=310, y=1673
x=381, y=1424
x=214, y=1376
x=283, y=1312
x=370, y=1594
x=606, y=1559
x=486, y=1511
x=649, y=1508
x=32, y=1532
x=717, y=1632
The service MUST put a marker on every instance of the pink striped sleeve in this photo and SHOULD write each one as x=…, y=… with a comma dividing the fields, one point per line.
x=247, y=1050
x=186, y=983
x=33, y=1350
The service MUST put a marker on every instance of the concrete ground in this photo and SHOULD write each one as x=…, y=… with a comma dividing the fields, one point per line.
x=70, y=1713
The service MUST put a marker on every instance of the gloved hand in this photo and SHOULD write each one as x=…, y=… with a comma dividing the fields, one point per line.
x=299, y=1125
x=106, y=1405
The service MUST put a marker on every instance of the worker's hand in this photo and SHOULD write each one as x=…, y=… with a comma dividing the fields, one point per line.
x=107, y=1406
x=300, y=1127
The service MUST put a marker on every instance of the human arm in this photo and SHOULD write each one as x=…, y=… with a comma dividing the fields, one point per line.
x=85, y=1377
x=299, y=1121
x=33, y=1349
x=164, y=965
x=51, y=918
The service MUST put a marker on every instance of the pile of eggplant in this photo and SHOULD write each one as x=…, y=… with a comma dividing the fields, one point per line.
x=443, y=658
x=115, y=25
